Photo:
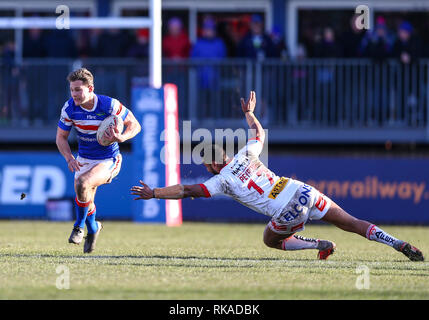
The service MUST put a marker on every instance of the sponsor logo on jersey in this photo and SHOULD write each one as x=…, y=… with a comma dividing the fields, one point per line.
x=239, y=167
x=278, y=187
x=298, y=209
x=87, y=139
x=305, y=195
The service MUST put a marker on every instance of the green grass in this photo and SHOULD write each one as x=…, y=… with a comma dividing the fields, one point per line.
x=203, y=261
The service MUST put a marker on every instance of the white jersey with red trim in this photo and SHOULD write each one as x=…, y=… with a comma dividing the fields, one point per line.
x=247, y=180
x=86, y=123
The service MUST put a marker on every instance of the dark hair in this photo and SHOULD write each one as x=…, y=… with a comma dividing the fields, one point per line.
x=213, y=153
x=82, y=74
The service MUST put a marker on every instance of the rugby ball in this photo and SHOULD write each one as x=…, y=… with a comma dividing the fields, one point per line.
x=110, y=121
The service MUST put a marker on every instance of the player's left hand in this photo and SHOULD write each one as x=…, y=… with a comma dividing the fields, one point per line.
x=143, y=192
x=113, y=134
x=249, y=106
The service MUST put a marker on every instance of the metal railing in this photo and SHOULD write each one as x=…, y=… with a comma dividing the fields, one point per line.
x=309, y=100
x=347, y=94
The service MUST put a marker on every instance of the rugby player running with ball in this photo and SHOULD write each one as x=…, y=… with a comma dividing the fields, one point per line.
x=95, y=164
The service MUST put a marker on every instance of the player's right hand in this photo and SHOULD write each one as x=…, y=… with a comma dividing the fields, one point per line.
x=74, y=165
x=143, y=192
x=249, y=106
x=112, y=134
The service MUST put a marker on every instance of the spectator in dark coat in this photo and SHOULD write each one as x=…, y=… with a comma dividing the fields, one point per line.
x=377, y=44
x=225, y=32
x=140, y=49
x=34, y=44
x=60, y=44
x=13, y=95
x=351, y=40
x=279, y=44
x=256, y=44
x=406, y=47
x=328, y=47
x=112, y=44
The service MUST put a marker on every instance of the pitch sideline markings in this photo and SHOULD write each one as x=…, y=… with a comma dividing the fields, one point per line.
x=408, y=265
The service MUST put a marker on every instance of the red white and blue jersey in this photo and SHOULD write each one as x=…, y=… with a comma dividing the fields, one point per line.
x=86, y=123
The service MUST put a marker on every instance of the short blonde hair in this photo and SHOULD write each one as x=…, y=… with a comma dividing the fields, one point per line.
x=82, y=74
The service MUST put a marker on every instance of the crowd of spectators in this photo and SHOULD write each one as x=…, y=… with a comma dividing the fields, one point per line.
x=218, y=40
x=116, y=43
x=403, y=43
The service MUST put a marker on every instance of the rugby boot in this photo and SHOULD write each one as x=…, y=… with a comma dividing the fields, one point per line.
x=76, y=236
x=326, y=248
x=91, y=239
x=410, y=251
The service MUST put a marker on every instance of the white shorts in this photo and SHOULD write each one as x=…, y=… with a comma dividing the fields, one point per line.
x=307, y=203
x=112, y=166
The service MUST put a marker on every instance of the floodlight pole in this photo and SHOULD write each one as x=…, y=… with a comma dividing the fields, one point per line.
x=155, y=45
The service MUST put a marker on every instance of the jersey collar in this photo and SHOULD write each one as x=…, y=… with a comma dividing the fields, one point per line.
x=94, y=107
x=225, y=165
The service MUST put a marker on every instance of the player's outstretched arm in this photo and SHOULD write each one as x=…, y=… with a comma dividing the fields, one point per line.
x=132, y=128
x=177, y=191
x=64, y=148
x=248, y=108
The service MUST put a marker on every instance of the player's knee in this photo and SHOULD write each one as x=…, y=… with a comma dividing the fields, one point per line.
x=269, y=242
x=82, y=186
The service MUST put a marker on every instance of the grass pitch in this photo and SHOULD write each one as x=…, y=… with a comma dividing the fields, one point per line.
x=202, y=261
